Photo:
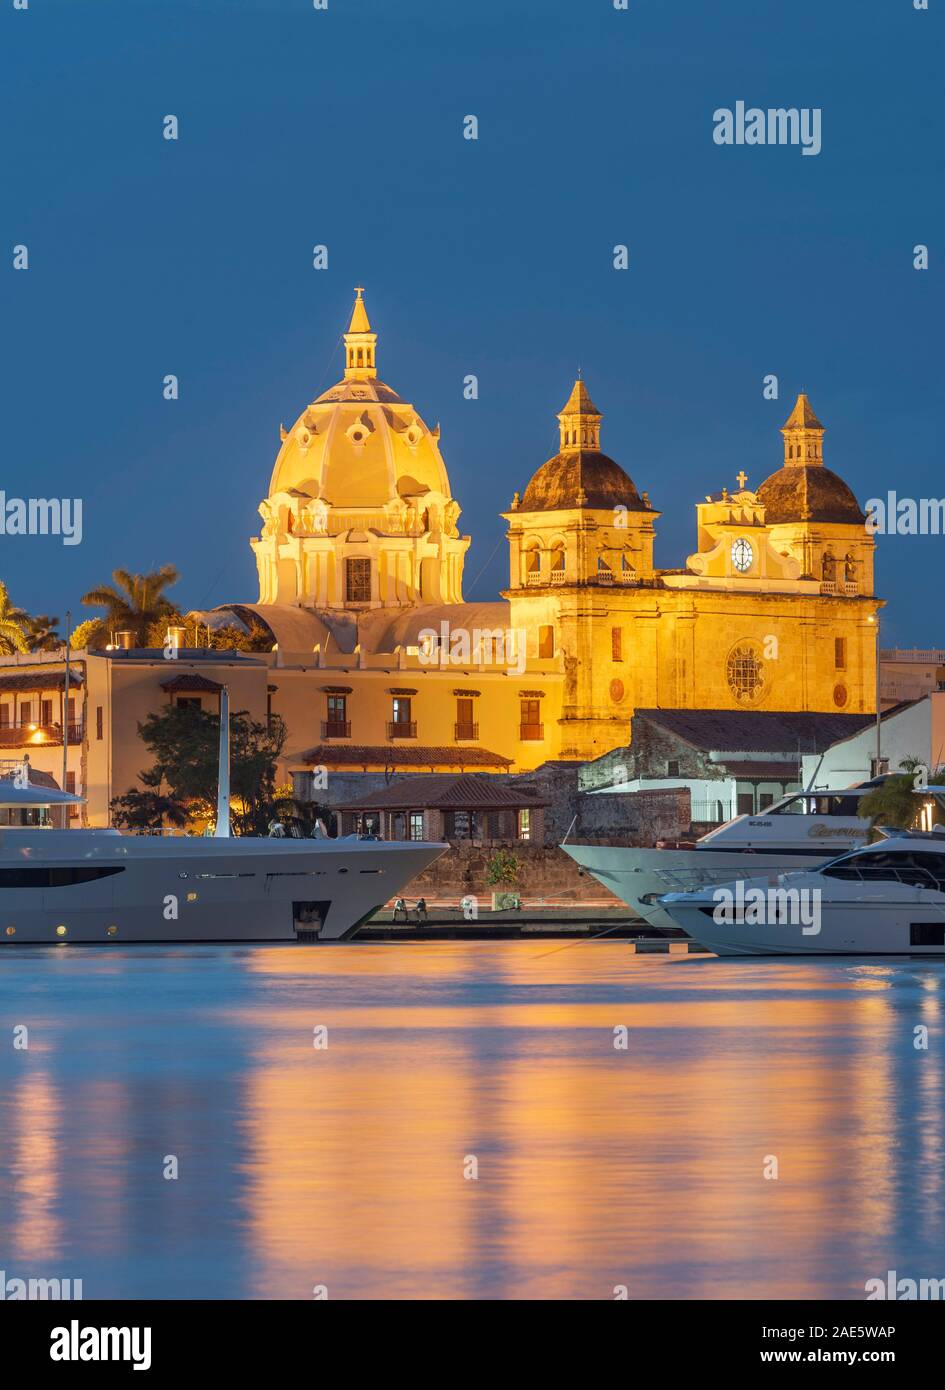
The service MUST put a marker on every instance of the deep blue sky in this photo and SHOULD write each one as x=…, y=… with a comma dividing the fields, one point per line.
x=345, y=127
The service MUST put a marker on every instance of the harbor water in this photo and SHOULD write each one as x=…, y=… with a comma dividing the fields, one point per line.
x=524, y=1119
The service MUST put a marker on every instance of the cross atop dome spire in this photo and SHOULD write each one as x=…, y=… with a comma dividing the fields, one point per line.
x=579, y=420
x=360, y=343
x=803, y=436
x=359, y=319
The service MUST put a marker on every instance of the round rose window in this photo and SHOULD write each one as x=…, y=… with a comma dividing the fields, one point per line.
x=745, y=673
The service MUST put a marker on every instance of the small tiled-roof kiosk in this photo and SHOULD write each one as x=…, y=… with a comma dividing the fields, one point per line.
x=448, y=807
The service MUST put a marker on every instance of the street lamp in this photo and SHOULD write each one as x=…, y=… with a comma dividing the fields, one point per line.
x=874, y=618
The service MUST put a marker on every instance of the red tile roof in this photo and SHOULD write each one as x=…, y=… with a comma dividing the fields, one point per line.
x=360, y=755
x=193, y=683
x=42, y=680
x=446, y=792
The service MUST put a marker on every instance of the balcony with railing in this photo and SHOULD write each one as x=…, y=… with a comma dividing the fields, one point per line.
x=336, y=728
x=534, y=578
x=37, y=735
x=465, y=731
x=402, y=728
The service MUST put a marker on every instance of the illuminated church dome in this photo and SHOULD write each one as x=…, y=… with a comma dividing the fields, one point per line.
x=579, y=475
x=358, y=444
x=359, y=511
x=804, y=490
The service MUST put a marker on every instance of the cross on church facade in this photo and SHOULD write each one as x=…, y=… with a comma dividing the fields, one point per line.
x=741, y=478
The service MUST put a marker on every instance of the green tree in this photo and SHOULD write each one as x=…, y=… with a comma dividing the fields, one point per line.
x=14, y=632
x=503, y=868
x=93, y=635
x=148, y=810
x=228, y=639
x=897, y=803
x=41, y=633
x=134, y=601
x=233, y=638
x=184, y=742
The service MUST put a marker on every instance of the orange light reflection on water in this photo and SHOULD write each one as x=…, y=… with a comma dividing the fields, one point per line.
x=596, y=1166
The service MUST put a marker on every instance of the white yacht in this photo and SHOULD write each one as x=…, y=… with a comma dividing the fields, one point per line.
x=59, y=886
x=803, y=830
x=886, y=899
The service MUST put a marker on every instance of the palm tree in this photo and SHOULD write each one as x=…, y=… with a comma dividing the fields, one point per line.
x=41, y=633
x=13, y=637
x=135, y=601
x=895, y=803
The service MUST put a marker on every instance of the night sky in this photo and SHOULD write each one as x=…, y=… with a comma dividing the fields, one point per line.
x=492, y=257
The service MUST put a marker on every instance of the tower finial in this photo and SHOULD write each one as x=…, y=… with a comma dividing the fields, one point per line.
x=360, y=342
x=579, y=419
x=803, y=435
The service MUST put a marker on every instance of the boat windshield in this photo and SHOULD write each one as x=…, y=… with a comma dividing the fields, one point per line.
x=817, y=804
x=920, y=868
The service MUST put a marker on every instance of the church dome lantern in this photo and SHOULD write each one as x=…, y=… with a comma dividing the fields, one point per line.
x=579, y=475
x=581, y=519
x=803, y=489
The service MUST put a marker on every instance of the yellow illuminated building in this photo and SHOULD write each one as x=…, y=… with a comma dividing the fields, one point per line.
x=377, y=663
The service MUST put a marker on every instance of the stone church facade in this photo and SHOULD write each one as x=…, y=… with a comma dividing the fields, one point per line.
x=378, y=666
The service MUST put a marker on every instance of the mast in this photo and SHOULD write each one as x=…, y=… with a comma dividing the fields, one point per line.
x=65, y=721
x=222, y=831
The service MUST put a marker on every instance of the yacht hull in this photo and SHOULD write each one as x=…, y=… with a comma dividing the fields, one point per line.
x=641, y=876
x=899, y=921
x=97, y=887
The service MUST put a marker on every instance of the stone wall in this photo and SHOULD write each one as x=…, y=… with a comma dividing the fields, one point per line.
x=545, y=872
x=649, y=755
x=636, y=818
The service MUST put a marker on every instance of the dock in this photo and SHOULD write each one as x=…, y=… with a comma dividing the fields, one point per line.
x=533, y=921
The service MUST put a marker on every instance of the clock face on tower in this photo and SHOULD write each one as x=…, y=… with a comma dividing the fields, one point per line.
x=742, y=555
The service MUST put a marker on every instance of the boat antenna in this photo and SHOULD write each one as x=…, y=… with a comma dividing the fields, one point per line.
x=222, y=831
x=810, y=785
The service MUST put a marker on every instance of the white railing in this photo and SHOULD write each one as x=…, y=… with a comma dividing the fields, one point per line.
x=712, y=812
x=847, y=587
x=932, y=655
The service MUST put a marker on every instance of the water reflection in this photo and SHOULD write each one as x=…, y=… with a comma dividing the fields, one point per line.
x=344, y=1166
